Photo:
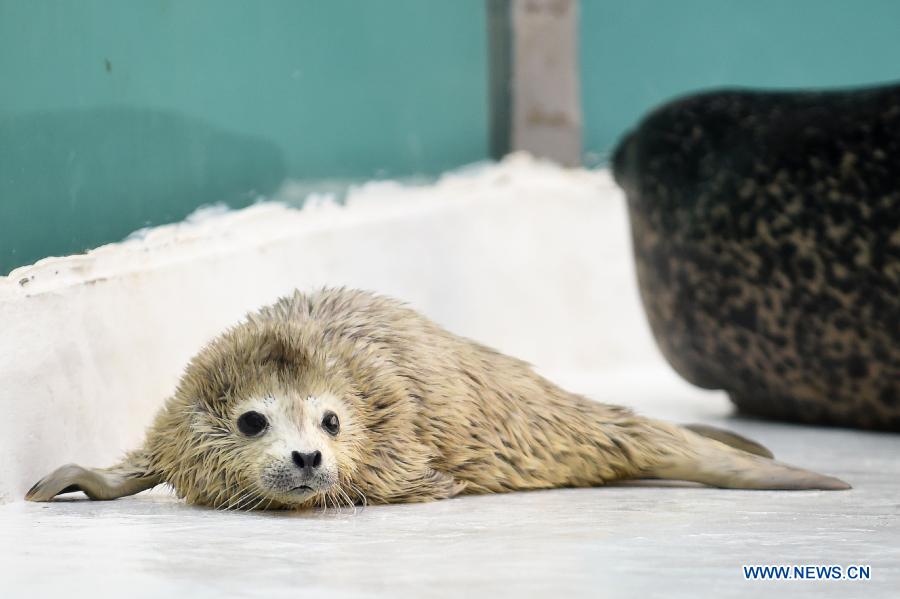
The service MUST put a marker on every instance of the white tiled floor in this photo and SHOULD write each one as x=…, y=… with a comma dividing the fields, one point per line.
x=630, y=541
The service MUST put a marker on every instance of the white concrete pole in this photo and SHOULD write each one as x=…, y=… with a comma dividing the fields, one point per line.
x=546, y=102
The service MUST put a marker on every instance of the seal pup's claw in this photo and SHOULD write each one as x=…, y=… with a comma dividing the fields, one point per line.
x=60, y=481
x=109, y=483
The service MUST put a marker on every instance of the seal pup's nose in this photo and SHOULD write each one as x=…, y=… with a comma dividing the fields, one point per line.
x=307, y=461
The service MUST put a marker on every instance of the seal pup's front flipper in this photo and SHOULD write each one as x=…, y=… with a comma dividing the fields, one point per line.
x=705, y=460
x=128, y=477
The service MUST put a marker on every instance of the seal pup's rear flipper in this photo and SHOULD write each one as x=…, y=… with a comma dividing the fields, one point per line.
x=128, y=477
x=729, y=438
x=704, y=460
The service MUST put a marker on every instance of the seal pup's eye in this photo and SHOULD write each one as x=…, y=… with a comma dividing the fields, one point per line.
x=252, y=423
x=330, y=423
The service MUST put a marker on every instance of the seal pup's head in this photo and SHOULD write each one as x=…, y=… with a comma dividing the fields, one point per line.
x=264, y=417
x=286, y=410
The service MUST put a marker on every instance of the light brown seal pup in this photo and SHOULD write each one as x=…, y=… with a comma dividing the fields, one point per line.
x=344, y=397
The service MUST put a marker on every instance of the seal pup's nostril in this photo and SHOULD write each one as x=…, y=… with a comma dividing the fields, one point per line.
x=307, y=461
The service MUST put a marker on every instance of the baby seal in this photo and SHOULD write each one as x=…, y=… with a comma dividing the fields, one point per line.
x=345, y=397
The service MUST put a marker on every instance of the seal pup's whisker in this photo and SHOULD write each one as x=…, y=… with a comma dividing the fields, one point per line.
x=346, y=497
x=360, y=493
x=257, y=504
x=247, y=498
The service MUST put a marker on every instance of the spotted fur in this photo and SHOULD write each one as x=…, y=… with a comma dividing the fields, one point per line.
x=766, y=229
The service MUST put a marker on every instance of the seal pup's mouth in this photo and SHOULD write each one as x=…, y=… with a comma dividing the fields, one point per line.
x=302, y=489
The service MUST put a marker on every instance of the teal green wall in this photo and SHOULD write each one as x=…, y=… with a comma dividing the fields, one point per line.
x=117, y=114
x=637, y=53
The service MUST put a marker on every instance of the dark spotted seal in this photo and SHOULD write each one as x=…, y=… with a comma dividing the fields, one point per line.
x=766, y=228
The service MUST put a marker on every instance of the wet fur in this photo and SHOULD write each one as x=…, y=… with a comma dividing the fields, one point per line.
x=428, y=415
